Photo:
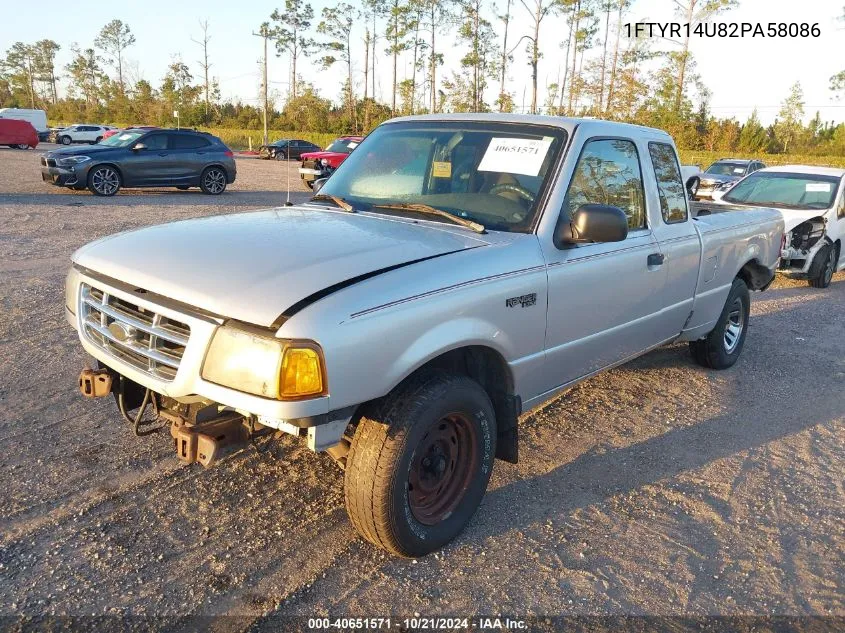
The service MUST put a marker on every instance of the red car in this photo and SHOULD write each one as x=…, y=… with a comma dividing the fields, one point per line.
x=17, y=133
x=321, y=164
x=131, y=127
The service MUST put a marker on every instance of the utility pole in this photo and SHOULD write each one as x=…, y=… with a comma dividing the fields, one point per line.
x=265, y=33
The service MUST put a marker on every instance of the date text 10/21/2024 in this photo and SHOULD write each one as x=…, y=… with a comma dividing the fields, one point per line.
x=491, y=623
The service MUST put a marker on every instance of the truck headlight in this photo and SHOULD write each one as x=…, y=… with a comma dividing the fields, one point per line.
x=265, y=366
x=71, y=290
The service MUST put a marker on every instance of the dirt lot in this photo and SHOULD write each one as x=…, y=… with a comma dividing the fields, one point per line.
x=656, y=488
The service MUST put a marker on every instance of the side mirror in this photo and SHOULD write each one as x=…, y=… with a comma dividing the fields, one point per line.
x=318, y=184
x=594, y=223
x=692, y=185
x=138, y=146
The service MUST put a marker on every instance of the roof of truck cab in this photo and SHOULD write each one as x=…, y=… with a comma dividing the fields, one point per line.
x=808, y=169
x=567, y=123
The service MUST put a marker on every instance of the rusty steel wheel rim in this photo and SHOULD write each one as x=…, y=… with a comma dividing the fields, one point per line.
x=442, y=468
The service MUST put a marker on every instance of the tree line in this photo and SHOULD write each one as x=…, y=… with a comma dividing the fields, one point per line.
x=589, y=68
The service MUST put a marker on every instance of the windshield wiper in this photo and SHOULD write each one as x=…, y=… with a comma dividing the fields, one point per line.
x=424, y=208
x=343, y=204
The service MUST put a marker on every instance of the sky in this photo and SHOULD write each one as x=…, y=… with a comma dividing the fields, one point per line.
x=742, y=73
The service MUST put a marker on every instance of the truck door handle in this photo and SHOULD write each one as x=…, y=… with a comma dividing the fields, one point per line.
x=162, y=153
x=655, y=259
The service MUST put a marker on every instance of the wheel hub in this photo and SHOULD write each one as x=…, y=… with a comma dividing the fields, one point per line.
x=734, y=326
x=442, y=469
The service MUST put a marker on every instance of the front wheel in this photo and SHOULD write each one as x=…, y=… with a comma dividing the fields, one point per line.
x=104, y=181
x=420, y=462
x=721, y=348
x=823, y=267
x=65, y=140
x=213, y=181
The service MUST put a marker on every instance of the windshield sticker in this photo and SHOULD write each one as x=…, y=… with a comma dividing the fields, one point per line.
x=819, y=187
x=515, y=155
x=441, y=170
x=352, y=145
x=124, y=137
x=739, y=170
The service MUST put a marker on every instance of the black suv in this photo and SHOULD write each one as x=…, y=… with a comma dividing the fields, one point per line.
x=142, y=158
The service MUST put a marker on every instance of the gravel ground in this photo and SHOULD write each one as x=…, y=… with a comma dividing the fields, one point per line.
x=655, y=488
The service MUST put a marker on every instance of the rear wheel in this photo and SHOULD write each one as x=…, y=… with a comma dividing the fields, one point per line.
x=213, y=181
x=721, y=348
x=823, y=266
x=420, y=462
x=104, y=181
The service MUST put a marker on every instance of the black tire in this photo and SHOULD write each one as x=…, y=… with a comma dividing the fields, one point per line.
x=104, y=180
x=399, y=453
x=182, y=187
x=823, y=266
x=20, y=146
x=65, y=139
x=213, y=181
x=721, y=348
x=310, y=184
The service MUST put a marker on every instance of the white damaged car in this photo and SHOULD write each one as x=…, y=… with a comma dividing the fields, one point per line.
x=812, y=202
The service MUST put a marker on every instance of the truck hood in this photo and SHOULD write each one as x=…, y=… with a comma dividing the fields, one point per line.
x=254, y=266
x=791, y=217
x=713, y=179
x=331, y=156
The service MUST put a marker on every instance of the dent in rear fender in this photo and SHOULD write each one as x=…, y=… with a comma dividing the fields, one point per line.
x=725, y=248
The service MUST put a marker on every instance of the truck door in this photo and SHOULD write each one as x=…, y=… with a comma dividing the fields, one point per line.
x=675, y=233
x=604, y=299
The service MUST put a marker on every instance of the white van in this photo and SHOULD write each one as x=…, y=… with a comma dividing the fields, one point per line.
x=38, y=119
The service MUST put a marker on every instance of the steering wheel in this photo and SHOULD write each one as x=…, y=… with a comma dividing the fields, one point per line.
x=519, y=190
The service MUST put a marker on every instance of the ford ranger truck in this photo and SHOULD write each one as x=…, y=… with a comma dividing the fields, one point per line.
x=455, y=272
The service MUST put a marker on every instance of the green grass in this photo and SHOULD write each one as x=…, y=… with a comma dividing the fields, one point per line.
x=704, y=159
x=239, y=139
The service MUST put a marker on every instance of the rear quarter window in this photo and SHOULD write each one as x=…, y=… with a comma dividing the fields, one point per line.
x=180, y=141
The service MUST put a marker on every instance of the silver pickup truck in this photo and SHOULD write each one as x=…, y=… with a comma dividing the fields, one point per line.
x=453, y=273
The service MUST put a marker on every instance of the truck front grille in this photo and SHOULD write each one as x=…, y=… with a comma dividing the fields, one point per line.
x=150, y=342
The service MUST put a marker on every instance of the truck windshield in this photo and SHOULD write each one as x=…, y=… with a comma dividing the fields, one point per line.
x=491, y=173
x=342, y=146
x=786, y=190
x=726, y=169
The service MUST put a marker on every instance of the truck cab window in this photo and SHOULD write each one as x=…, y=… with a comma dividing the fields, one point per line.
x=608, y=172
x=670, y=186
